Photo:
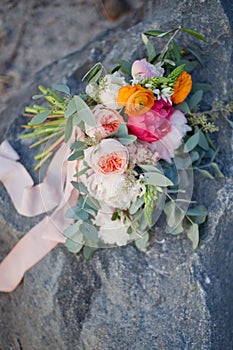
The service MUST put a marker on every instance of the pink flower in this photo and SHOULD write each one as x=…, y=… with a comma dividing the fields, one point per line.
x=172, y=140
x=107, y=122
x=109, y=157
x=144, y=69
x=163, y=108
x=150, y=126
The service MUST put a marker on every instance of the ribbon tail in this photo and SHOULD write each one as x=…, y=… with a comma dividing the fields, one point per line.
x=27, y=252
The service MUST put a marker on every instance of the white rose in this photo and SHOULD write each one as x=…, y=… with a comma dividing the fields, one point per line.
x=112, y=232
x=108, y=89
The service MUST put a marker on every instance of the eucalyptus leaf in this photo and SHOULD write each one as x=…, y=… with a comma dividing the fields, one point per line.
x=142, y=242
x=176, y=230
x=70, y=109
x=201, y=86
x=127, y=140
x=192, y=142
x=136, y=205
x=203, y=142
x=79, y=186
x=89, y=231
x=125, y=66
x=193, y=235
x=157, y=179
x=72, y=246
x=205, y=173
x=176, y=50
x=217, y=170
x=40, y=117
x=78, y=145
x=87, y=251
x=63, y=88
x=72, y=230
x=76, y=155
x=195, y=99
x=184, y=107
x=68, y=129
x=122, y=130
x=199, y=210
x=84, y=111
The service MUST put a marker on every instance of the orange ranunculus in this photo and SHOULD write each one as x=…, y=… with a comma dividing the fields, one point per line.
x=136, y=99
x=182, y=88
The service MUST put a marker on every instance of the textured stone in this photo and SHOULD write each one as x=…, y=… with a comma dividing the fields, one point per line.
x=168, y=297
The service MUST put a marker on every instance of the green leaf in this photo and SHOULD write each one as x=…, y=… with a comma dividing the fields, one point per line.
x=77, y=213
x=149, y=168
x=199, y=210
x=195, y=99
x=136, y=205
x=125, y=66
x=79, y=186
x=63, y=88
x=94, y=73
x=81, y=172
x=205, y=173
x=193, y=33
x=70, y=109
x=159, y=33
x=78, y=145
x=150, y=197
x=176, y=73
x=142, y=241
x=174, y=215
x=203, y=142
x=189, y=65
x=176, y=230
x=76, y=155
x=184, y=107
x=40, y=117
x=192, y=142
x=68, y=129
x=201, y=86
x=193, y=235
x=157, y=179
x=37, y=97
x=122, y=131
x=127, y=140
x=89, y=231
x=149, y=46
x=72, y=230
x=87, y=252
x=72, y=246
x=84, y=111
x=92, y=202
x=217, y=170
x=176, y=50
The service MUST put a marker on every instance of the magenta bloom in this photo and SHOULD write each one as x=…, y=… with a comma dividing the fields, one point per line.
x=149, y=127
x=163, y=108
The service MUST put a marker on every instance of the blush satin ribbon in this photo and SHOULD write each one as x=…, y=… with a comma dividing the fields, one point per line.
x=55, y=191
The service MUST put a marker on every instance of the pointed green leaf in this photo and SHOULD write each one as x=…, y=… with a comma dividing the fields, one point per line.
x=142, y=241
x=84, y=111
x=193, y=33
x=193, y=235
x=76, y=155
x=87, y=252
x=127, y=140
x=184, y=107
x=72, y=246
x=70, y=109
x=217, y=170
x=89, y=231
x=205, y=173
x=192, y=142
x=63, y=88
x=199, y=210
x=157, y=179
x=40, y=117
x=68, y=129
x=94, y=73
x=195, y=99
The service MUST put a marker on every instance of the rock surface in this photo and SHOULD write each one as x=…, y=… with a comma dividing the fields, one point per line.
x=169, y=297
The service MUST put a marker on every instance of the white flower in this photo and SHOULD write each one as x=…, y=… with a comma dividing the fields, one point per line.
x=113, y=190
x=165, y=94
x=108, y=89
x=112, y=232
x=92, y=90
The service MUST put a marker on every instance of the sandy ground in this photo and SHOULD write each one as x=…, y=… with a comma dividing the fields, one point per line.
x=34, y=33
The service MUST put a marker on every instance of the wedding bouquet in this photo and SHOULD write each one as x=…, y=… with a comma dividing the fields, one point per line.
x=133, y=138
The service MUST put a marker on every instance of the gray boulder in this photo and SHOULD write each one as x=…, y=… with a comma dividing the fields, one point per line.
x=168, y=297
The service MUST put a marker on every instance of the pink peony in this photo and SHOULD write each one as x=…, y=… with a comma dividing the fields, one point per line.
x=150, y=126
x=163, y=108
x=144, y=69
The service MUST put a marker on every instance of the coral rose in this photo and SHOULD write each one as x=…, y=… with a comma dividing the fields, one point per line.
x=136, y=99
x=107, y=122
x=109, y=157
x=182, y=88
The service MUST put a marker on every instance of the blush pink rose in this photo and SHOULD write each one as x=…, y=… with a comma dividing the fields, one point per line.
x=107, y=122
x=149, y=127
x=109, y=157
x=144, y=69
